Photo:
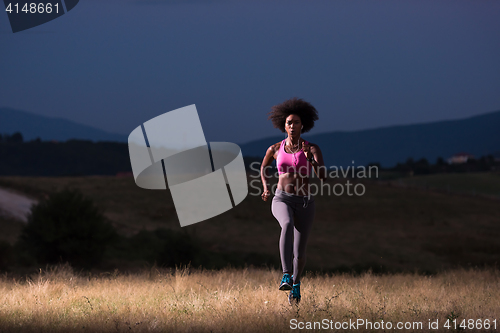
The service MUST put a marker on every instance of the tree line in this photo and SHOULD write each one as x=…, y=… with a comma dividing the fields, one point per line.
x=85, y=157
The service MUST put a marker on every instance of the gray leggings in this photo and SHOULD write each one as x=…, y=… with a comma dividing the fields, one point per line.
x=295, y=215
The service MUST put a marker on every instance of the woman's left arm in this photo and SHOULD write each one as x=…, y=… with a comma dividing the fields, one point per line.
x=315, y=158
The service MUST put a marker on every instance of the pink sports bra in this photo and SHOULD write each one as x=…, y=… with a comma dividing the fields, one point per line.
x=286, y=162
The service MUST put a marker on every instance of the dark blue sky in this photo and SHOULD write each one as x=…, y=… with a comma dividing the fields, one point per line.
x=363, y=64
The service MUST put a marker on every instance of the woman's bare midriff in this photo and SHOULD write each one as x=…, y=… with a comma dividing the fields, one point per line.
x=294, y=183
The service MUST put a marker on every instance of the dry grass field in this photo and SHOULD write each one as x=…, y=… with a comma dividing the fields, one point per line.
x=244, y=300
x=400, y=232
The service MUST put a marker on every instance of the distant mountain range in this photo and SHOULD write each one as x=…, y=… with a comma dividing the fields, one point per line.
x=34, y=126
x=478, y=135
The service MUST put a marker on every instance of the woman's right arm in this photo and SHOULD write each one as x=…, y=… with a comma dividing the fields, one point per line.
x=266, y=162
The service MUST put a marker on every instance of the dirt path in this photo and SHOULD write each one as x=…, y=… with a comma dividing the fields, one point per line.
x=15, y=205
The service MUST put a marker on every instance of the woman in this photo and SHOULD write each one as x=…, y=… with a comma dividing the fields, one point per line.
x=292, y=205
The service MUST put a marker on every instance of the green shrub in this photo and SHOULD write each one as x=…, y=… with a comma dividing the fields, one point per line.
x=165, y=247
x=178, y=249
x=67, y=227
x=6, y=254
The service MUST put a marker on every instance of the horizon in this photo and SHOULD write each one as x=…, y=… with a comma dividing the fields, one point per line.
x=256, y=139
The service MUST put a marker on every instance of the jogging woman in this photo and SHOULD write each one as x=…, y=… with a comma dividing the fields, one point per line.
x=293, y=205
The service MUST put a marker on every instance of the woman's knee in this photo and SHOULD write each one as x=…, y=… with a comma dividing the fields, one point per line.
x=286, y=224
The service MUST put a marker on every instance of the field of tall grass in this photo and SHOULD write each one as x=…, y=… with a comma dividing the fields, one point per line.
x=58, y=299
x=394, y=230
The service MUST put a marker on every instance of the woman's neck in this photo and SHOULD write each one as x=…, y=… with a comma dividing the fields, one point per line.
x=293, y=141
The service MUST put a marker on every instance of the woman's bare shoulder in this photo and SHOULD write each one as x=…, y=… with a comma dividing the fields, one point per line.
x=314, y=148
x=274, y=147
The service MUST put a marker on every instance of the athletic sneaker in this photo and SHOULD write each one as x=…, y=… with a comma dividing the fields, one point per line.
x=294, y=296
x=286, y=282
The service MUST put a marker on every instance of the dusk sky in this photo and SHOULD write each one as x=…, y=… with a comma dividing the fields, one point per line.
x=363, y=64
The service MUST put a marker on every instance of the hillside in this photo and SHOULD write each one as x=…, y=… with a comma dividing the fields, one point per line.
x=388, y=229
x=388, y=146
x=34, y=126
x=477, y=135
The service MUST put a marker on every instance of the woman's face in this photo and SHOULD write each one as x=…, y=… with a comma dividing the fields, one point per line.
x=293, y=125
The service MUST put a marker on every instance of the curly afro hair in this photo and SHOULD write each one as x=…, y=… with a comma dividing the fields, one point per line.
x=307, y=113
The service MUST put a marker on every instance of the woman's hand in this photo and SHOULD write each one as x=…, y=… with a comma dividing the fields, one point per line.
x=266, y=195
x=307, y=150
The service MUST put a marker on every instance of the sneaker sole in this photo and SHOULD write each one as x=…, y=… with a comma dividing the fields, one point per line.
x=285, y=287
